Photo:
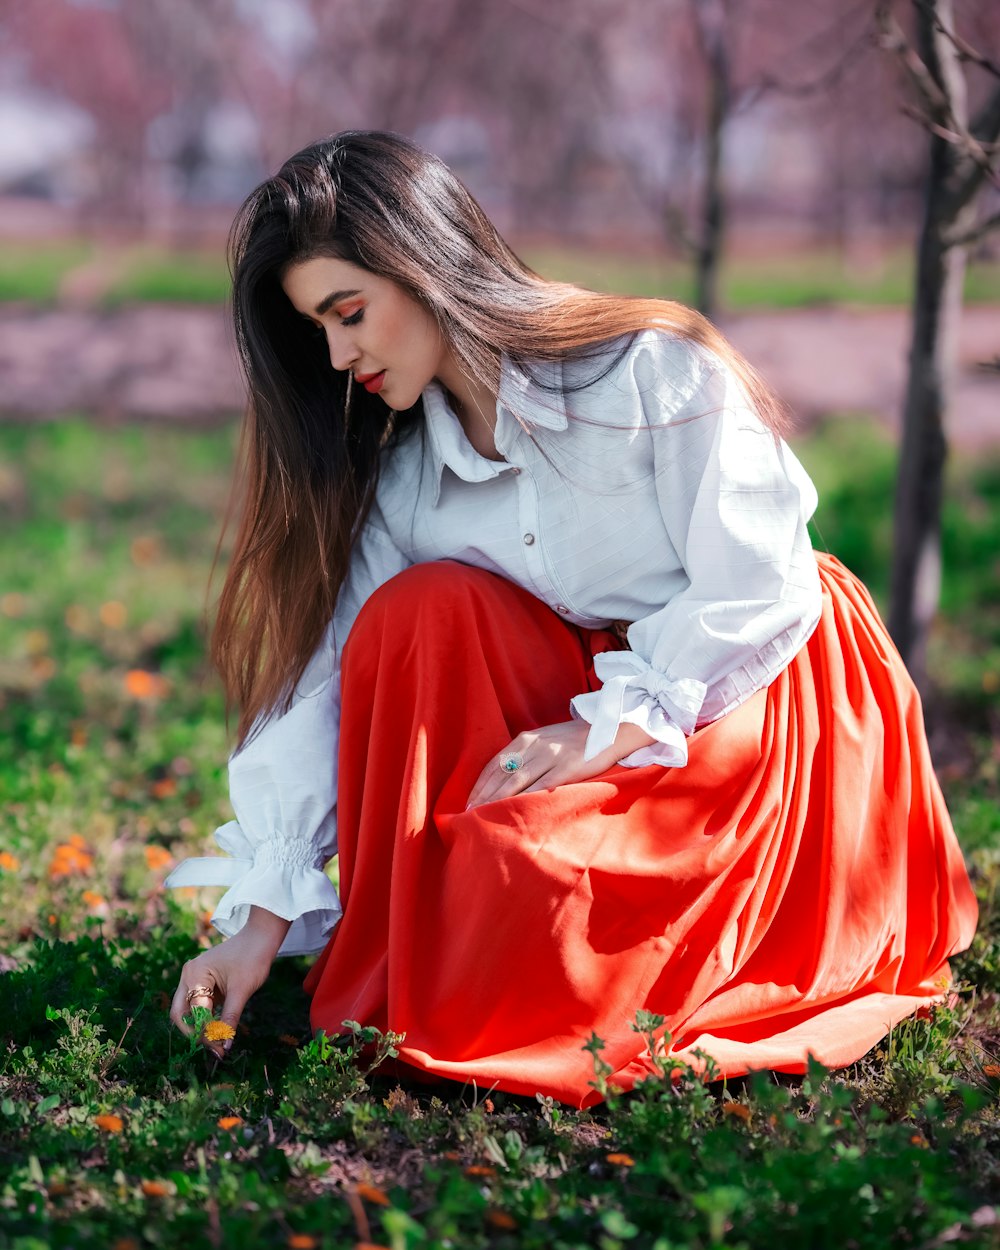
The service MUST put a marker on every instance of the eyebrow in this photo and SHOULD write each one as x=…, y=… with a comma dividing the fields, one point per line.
x=334, y=297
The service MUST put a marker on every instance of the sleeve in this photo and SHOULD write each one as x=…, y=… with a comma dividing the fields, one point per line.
x=735, y=503
x=283, y=785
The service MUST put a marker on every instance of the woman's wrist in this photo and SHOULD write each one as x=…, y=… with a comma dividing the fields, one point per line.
x=267, y=928
x=631, y=738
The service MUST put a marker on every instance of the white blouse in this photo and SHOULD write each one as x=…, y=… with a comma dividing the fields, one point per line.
x=654, y=495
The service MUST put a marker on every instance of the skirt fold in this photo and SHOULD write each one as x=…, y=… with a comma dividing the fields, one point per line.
x=797, y=889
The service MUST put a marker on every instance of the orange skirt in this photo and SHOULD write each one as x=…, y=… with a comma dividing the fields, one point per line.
x=797, y=889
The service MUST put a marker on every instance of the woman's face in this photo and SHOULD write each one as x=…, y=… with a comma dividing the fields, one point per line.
x=390, y=343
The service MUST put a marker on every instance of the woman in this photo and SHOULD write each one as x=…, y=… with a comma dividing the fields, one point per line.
x=611, y=736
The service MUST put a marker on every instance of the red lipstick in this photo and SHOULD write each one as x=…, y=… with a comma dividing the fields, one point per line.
x=372, y=382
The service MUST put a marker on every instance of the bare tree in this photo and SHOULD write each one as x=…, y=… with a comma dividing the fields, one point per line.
x=964, y=157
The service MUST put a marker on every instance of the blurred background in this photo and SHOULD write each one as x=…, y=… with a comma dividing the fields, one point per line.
x=758, y=158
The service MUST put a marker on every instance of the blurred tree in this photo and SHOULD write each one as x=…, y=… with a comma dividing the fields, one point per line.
x=964, y=159
x=717, y=61
x=100, y=59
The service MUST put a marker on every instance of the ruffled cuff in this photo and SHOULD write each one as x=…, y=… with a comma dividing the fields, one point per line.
x=633, y=693
x=281, y=875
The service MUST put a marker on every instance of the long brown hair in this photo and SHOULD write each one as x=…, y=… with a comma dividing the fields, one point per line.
x=311, y=446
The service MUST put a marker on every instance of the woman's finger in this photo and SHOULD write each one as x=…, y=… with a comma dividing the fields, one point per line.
x=497, y=782
x=191, y=992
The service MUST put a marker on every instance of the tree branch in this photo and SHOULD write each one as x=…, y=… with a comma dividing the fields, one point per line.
x=986, y=129
x=964, y=49
x=968, y=238
x=939, y=115
x=986, y=125
x=815, y=86
x=893, y=39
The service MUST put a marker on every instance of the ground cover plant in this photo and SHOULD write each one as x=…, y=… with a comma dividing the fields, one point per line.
x=116, y=1132
x=111, y=275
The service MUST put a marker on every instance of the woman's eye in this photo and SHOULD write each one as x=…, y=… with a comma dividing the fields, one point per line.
x=353, y=319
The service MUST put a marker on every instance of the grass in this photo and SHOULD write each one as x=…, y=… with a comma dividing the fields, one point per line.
x=154, y=273
x=115, y=1132
x=33, y=271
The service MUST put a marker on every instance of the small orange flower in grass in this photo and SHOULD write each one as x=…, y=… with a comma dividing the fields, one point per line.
x=143, y=685
x=500, y=1219
x=109, y=1123
x=164, y=788
x=229, y=1122
x=217, y=1031
x=738, y=1110
x=112, y=614
x=43, y=667
x=991, y=1069
x=155, y=1189
x=71, y=859
x=372, y=1193
x=480, y=1169
x=125, y=1243
x=287, y=1039
x=8, y=862
x=146, y=549
x=918, y=1139
x=157, y=857
x=301, y=1241
x=95, y=901
x=13, y=604
x=619, y=1160
x=77, y=618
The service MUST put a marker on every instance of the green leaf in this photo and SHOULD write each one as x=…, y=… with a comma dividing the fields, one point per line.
x=618, y=1225
x=48, y=1104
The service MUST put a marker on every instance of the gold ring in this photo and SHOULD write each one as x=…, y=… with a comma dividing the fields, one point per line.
x=199, y=990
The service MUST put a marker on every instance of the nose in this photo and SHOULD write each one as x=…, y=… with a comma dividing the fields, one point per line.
x=343, y=351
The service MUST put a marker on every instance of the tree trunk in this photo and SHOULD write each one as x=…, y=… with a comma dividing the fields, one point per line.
x=712, y=25
x=937, y=303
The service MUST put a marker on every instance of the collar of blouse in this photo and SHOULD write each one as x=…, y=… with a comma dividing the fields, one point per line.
x=521, y=397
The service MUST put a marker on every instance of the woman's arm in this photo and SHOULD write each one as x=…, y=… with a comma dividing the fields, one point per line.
x=735, y=505
x=283, y=787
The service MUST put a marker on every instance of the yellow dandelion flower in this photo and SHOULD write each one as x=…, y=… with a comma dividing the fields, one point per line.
x=218, y=1031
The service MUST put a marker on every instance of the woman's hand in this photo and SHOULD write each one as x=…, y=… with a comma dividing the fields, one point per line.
x=232, y=971
x=552, y=756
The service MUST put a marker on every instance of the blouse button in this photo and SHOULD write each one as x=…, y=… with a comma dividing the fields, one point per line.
x=561, y=607
x=515, y=471
x=529, y=539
